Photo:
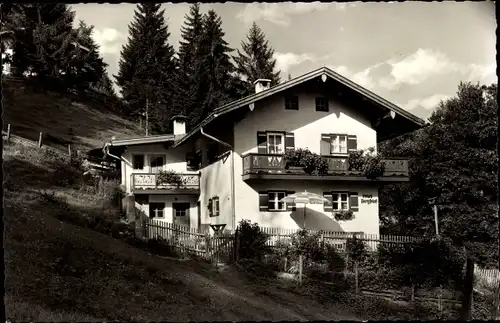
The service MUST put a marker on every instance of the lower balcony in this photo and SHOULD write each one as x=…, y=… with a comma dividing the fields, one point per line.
x=267, y=166
x=148, y=183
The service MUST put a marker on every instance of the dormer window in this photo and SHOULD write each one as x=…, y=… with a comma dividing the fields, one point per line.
x=322, y=104
x=292, y=103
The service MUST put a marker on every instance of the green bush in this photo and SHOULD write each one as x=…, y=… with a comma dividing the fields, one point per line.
x=368, y=162
x=252, y=241
x=310, y=162
x=356, y=250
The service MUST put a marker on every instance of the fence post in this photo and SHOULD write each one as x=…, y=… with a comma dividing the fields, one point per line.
x=356, y=281
x=40, y=140
x=301, y=263
x=69, y=150
x=467, y=291
x=8, y=132
x=412, y=294
x=236, y=245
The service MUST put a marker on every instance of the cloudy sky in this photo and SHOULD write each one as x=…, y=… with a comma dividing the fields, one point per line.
x=412, y=53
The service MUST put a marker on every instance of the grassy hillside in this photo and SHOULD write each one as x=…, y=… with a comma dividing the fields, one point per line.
x=64, y=119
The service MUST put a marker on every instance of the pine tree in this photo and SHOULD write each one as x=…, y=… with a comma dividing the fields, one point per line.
x=45, y=42
x=147, y=69
x=190, y=60
x=215, y=68
x=91, y=68
x=256, y=61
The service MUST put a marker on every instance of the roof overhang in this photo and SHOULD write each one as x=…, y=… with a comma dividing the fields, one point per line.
x=324, y=73
x=170, y=138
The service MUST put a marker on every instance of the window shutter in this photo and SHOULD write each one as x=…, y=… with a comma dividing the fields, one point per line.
x=261, y=142
x=352, y=143
x=327, y=207
x=263, y=201
x=210, y=213
x=217, y=208
x=289, y=141
x=325, y=145
x=290, y=206
x=353, y=202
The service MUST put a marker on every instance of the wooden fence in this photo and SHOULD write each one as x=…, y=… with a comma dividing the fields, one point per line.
x=338, y=239
x=188, y=241
x=489, y=277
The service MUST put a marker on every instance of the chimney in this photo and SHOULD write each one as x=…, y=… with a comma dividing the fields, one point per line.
x=262, y=85
x=179, y=124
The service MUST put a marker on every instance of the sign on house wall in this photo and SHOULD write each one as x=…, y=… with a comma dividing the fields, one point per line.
x=368, y=199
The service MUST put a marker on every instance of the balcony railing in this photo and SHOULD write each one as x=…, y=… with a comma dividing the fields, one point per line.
x=149, y=181
x=275, y=164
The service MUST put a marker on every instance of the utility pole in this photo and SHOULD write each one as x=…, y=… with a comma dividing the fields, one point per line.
x=147, y=123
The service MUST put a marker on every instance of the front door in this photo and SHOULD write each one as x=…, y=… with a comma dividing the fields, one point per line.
x=181, y=213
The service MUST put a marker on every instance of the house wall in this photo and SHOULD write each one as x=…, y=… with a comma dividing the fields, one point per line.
x=307, y=125
x=215, y=180
x=168, y=211
x=175, y=159
x=366, y=219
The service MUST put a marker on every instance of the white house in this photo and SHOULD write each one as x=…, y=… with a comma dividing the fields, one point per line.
x=233, y=166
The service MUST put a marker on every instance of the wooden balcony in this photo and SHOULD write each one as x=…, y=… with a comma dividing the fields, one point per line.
x=268, y=166
x=147, y=183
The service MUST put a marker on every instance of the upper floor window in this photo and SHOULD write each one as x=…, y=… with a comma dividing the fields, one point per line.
x=292, y=103
x=214, y=208
x=138, y=162
x=275, y=143
x=340, y=201
x=157, y=162
x=339, y=144
x=322, y=104
x=274, y=201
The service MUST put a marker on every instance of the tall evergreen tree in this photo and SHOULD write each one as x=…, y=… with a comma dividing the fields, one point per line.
x=91, y=68
x=190, y=60
x=147, y=69
x=45, y=41
x=215, y=69
x=256, y=61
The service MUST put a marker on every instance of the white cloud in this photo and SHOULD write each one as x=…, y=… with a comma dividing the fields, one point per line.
x=428, y=103
x=362, y=78
x=425, y=63
x=277, y=13
x=109, y=40
x=286, y=60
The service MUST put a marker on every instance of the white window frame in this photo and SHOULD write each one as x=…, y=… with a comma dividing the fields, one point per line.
x=215, y=206
x=339, y=201
x=156, y=211
x=335, y=144
x=158, y=168
x=275, y=135
x=178, y=212
x=273, y=197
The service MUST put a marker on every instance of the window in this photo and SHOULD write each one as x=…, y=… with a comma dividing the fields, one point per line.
x=274, y=203
x=275, y=143
x=138, y=161
x=214, y=207
x=322, y=104
x=339, y=144
x=156, y=210
x=180, y=209
x=340, y=201
x=193, y=161
x=157, y=163
x=292, y=103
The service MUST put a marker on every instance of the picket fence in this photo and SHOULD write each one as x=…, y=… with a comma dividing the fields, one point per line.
x=487, y=276
x=190, y=242
x=338, y=239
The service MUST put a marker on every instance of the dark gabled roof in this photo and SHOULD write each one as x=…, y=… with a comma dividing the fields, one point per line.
x=296, y=81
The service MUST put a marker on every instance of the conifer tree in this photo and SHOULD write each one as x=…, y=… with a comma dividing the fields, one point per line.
x=147, y=69
x=256, y=59
x=215, y=70
x=45, y=41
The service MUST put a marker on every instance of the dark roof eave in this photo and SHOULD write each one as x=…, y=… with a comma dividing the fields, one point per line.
x=144, y=140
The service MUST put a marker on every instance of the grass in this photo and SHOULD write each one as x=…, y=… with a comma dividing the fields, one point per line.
x=62, y=119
